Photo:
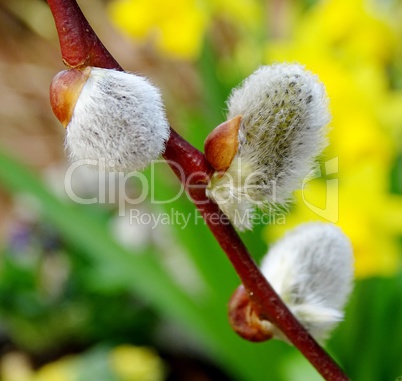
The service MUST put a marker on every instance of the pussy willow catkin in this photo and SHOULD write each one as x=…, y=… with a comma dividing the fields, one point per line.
x=118, y=119
x=284, y=112
x=311, y=268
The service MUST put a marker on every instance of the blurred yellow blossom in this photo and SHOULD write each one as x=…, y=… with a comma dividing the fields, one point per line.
x=177, y=28
x=15, y=366
x=350, y=48
x=136, y=364
x=247, y=12
x=60, y=370
x=122, y=363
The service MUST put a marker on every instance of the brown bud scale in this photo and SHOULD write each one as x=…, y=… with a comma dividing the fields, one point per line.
x=222, y=144
x=65, y=89
x=244, y=320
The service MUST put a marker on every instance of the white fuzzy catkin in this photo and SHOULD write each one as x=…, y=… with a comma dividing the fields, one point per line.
x=311, y=268
x=284, y=111
x=119, y=121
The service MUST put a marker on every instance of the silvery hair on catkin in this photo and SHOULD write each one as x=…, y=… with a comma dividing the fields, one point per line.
x=119, y=119
x=284, y=112
x=311, y=268
x=284, y=109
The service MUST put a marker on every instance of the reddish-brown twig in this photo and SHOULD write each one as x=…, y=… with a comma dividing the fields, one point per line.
x=80, y=47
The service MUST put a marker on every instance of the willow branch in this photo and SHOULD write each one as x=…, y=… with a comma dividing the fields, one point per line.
x=80, y=47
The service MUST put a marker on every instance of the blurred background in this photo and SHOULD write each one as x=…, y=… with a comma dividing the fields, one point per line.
x=86, y=293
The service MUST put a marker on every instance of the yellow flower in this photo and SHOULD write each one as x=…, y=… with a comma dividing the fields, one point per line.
x=246, y=12
x=56, y=371
x=177, y=28
x=15, y=366
x=136, y=364
x=350, y=48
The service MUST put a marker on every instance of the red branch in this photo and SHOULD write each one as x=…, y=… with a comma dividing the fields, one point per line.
x=80, y=46
x=193, y=170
